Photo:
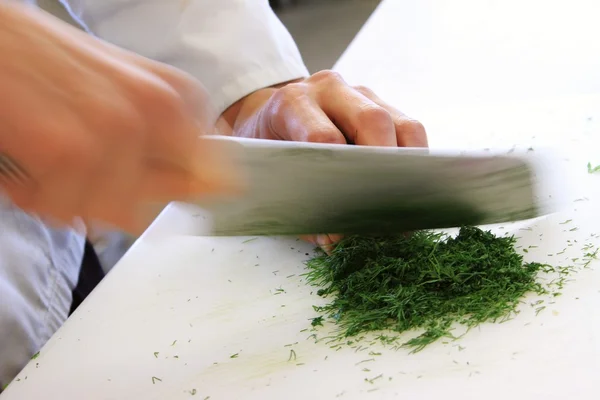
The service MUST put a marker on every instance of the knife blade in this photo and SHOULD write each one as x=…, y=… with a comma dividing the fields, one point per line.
x=306, y=188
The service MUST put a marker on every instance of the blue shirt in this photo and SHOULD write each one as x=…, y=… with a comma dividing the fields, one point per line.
x=39, y=268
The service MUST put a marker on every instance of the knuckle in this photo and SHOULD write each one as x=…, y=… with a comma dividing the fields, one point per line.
x=286, y=97
x=365, y=91
x=156, y=95
x=372, y=114
x=412, y=131
x=188, y=88
x=417, y=126
x=327, y=76
x=411, y=125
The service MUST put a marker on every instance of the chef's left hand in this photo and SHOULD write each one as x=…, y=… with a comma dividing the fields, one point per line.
x=324, y=109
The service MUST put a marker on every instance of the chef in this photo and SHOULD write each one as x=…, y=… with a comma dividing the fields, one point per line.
x=97, y=121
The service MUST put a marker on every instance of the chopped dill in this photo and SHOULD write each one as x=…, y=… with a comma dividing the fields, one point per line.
x=425, y=280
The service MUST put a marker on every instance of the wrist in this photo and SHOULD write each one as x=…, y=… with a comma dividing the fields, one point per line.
x=240, y=111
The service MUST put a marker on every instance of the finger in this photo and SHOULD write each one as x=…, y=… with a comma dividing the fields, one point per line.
x=409, y=132
x=326, y=242
x=292, y=115
x=361, y=120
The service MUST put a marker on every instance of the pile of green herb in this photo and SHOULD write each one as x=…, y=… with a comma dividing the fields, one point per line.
x=423, y=280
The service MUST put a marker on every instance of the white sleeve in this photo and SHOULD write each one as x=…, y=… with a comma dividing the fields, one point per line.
x=233, y=47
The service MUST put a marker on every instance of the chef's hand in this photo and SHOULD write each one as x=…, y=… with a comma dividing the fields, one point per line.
x=323, y=108
x=98, y=129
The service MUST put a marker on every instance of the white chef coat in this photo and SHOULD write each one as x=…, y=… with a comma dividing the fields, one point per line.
x=233, y=47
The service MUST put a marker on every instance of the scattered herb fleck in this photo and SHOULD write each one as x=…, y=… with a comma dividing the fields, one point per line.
x=174, y=341
x=155, y=379
x=234, y=355
x=156, y=354
x=36, y=355
x=591, y=169
x=539, y=310
x=292, y=355
x=374, y=379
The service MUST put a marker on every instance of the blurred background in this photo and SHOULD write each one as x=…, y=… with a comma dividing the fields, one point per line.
x=323, y=28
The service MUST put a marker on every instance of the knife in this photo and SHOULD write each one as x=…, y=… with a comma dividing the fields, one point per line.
x=294, y=188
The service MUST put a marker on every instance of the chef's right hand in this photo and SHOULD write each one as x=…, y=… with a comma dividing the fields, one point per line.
x=98, y=129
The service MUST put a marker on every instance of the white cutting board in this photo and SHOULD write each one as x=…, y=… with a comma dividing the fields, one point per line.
x=221, y=302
